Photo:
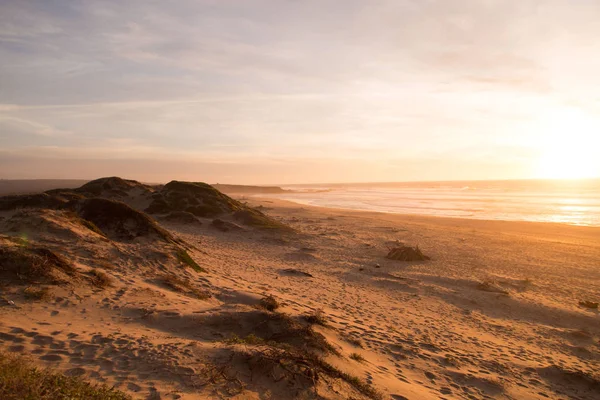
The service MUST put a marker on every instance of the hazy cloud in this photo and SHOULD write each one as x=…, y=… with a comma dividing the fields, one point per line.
x=363, y=85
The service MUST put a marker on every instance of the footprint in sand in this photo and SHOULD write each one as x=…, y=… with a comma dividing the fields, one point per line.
x=17, y=349
x=51, y=357
x=43, y=340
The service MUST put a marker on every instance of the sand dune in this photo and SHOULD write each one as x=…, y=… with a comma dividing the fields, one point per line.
x=172, y=309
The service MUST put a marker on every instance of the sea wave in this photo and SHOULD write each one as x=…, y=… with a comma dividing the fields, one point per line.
x=573, y=203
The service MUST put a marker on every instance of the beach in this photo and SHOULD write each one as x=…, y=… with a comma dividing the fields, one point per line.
x=494, y=313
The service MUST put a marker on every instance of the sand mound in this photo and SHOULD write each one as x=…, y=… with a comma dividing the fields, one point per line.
x=256, y=218
x=203, y=200
x=183, y=217
x=119, y=221
x=301, y=373
x=577, y=380
x=197, y=198
x=407, y=253
x=40, y=200
x=56, y=224
x=112, y=187
x=268, y=327
x=31, y=264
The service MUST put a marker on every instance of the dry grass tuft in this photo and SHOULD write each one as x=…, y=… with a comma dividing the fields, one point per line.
x=20, y=380
x=298, y=366
x=33, y=264
x=100, y=279
x=37, y=294
x=269, y=303
x=357, y=357
x=316, y=317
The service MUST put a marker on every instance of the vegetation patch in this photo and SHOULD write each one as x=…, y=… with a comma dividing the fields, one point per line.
x=20, y=380
x=30, y=264
x=255, y=218
x=39, y=200
x=269, y=303
x=119, y=221
x=183, y=217
x=301, y=367
x=203, y=200
x=186, y=259
x=92, y=227
x=276, y=329
x=357, y=357
x=37, y=293
x=100, y=279
x=316, y=317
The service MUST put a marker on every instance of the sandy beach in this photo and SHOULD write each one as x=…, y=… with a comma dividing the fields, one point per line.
x=494, y=314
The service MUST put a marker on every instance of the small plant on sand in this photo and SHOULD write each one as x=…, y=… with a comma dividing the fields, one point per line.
x=269, y=303
x=29, y=264
x=38, y=294
x=100, y=279
x=20, y=380
x=105, y=265
x=316, y=317
x=251, y=339
x=185, y=259
x=297, y=364
x=357, y=357
x=92, y=227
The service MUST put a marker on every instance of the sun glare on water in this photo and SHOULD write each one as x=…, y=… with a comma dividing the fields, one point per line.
x=570, y=146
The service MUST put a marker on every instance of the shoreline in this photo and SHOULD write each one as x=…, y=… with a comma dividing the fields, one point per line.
x=516, y=225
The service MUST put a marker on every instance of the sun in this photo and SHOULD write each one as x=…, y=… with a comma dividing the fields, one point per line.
x=569, y=146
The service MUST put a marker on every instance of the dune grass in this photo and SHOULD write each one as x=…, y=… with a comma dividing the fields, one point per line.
x=37, y=293
x=100, y=279
x=316, y=317
x=185, y=259
x=269, y=303
x=20, y=380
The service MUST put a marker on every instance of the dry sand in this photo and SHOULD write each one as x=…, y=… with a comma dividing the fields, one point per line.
x=426, y=330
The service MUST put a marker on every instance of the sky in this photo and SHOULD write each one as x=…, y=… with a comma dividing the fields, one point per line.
x=274, y=91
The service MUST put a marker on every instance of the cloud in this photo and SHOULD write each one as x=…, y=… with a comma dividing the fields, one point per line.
x=238, y=81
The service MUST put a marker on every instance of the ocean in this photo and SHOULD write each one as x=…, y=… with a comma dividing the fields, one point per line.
x=575, y=202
